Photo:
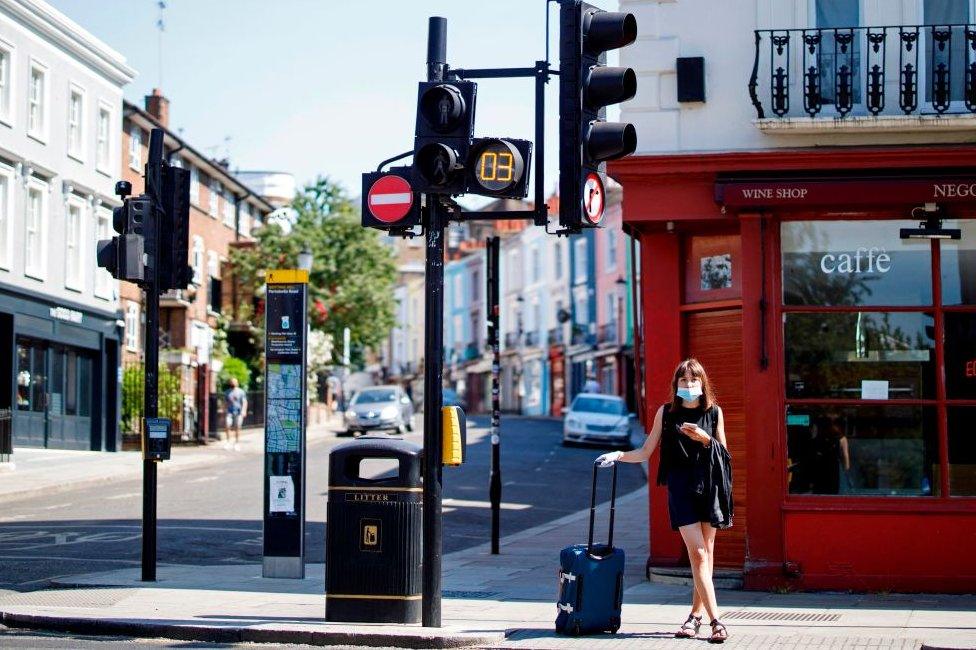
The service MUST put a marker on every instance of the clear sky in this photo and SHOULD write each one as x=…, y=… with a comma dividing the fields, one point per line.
x=321, y=86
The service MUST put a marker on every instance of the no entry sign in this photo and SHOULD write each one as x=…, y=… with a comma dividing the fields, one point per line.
x=390, y=198
x=593, y=198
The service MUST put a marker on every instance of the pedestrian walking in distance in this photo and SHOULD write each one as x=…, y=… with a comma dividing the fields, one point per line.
x=696, y=467
x=236, y=400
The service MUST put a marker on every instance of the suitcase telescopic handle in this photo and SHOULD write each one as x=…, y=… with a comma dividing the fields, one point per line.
x=613, y=506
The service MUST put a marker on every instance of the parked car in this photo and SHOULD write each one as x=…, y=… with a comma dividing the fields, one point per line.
x=596, y=418
x=379, y=407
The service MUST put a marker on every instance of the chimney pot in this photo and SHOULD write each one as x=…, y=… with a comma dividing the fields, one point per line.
x=158, y=106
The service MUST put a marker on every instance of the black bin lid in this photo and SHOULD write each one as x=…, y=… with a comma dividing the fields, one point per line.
x=345, y=461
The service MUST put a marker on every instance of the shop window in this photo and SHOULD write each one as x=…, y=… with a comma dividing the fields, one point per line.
x=860, y=355
x=960, y=355
x=854, y=263
x=38, y=381
x=24, y=377
x=839, y=14
x=889, y=450
x=959, y=265
x=712, y=270
x=56, y=397
x=962, y=451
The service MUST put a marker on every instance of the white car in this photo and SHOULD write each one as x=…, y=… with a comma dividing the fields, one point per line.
x=599, y=419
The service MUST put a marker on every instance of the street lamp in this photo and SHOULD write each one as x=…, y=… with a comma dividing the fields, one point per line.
x=621, y=292
x=305, y=259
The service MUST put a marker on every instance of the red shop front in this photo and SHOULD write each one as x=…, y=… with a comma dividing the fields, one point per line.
x=843, y=355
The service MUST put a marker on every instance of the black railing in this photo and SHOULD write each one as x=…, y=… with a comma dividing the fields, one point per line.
x=511, y=339
x=531, y=338
x=581, y=336
x=845, y=70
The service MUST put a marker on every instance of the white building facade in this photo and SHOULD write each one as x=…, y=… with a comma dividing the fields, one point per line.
x=60, y=111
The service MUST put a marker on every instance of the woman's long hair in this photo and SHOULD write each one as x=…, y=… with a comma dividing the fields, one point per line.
x=697, y=370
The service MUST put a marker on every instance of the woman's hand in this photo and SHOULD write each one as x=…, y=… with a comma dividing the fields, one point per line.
x=696, y=433
x=608, y=459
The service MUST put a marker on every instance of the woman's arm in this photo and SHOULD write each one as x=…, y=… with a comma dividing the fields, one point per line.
x=650, y=443
x=720, y=428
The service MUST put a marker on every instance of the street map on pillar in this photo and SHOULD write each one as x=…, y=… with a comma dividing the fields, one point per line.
x=284, y=425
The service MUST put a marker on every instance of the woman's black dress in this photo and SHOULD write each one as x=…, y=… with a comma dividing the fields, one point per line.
x=679, y=456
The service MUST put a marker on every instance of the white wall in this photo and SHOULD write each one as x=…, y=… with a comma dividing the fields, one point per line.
x=32, y=31
x=722, y=31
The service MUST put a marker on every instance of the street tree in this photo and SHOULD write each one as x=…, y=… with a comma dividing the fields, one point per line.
x=353, y=272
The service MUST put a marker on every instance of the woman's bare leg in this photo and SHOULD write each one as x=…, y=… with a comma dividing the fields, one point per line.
x=697, y=602
x=701, y=566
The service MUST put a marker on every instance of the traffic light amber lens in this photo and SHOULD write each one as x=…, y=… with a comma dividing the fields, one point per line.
x=498, y=166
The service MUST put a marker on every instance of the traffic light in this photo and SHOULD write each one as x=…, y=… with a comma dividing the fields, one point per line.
x=175, y=271
x=123, y=256
x=445, y=125
x=499, y=167
x=586, y=87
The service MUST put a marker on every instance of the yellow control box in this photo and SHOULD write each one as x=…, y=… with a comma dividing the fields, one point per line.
x=452, y=418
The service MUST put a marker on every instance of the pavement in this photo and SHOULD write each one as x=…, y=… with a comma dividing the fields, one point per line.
x=490, y=601
x=501, y=601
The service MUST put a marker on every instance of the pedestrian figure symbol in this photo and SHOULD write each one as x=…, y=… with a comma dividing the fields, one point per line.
x=444, y=108
x=370, y=535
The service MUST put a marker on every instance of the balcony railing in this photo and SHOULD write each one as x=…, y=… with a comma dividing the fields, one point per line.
x=608, y=333
x=556, y=336
x=581, y=336
x=531, y=338
x=885, y=70
x=511, y=339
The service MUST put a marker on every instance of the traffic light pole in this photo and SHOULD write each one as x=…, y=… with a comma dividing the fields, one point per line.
x=154, y=185
x=433, y=364
x=495, y=477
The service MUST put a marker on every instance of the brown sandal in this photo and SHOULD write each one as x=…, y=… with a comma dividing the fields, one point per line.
x=719, y=632
x=689, y=629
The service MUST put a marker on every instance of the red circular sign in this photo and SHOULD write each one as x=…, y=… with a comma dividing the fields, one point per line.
x=390, y=198
x=593, y=198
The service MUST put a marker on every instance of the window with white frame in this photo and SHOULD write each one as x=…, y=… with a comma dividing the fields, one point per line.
x=6, y=213
x=194, y=185
x=579, y=261
x=35, y=219
x=557, y=252
x=103, y=279
x=213, y=264
x=73, y=220
x=611, y=237
x=536, y=261
x=5, y=89
x=37, y=102
x=215, y=191
x=135, y=148
x=132, y=326
x=103, y=138
x=229, y=211
x=244, y=225
x=197, y=262
x=458, y=291
x=76, y=117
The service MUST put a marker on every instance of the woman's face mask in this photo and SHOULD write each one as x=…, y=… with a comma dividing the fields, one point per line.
x=689, y=391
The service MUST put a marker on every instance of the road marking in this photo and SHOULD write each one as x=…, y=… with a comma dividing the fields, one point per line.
x=73, y=559
x=57, y=507
x=127, y=495
x=203, y=479
x=463, y=503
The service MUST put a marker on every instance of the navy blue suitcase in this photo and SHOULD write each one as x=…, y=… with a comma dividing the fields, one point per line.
x=591, y=579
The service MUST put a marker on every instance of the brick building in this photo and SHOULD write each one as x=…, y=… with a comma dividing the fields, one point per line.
x=223, y=210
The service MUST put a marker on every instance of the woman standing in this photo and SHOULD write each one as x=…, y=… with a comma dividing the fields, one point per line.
x=688, y=428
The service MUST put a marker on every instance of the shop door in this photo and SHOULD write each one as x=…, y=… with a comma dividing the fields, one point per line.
x=30, y=414
x=715, y=339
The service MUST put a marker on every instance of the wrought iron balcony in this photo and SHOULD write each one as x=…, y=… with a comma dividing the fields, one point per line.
x=531, y=338
x=511, y=339
x=608, y=333
x=850, y=71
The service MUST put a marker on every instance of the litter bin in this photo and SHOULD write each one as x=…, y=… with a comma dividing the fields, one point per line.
x=373, y=534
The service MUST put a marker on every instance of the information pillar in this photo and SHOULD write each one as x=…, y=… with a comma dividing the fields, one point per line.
x=284, y=432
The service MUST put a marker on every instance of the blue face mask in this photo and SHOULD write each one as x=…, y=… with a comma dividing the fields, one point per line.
x=690, y=394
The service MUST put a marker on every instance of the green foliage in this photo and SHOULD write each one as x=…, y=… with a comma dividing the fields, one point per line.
x=352, y=277
x=237, y=368
x=170, y=396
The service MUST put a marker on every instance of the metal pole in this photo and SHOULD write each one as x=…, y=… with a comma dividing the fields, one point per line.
x=495, y=478
x=434, y=365
x=154, y=186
